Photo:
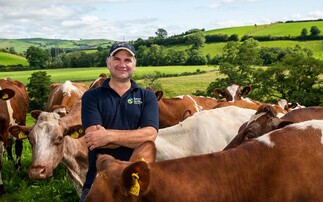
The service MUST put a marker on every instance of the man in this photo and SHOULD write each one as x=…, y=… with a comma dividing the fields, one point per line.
x=118, y=115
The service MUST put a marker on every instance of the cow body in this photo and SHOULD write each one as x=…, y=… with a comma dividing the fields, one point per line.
x=174, y=110
x=266, y=120
x=63, y=96
x=13, y=110
x=51, y=145
x=204, y=132
x=284, y=165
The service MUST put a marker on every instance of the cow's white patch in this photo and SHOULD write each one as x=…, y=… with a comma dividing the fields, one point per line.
x=255, y=117
x=197, y=107
x=316, y=124
x=266, y=140
x=96, y=80
x=180, y=96
x=233, y=89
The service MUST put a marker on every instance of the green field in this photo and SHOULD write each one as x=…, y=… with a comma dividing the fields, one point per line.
x=10, y=59
x=87, y=75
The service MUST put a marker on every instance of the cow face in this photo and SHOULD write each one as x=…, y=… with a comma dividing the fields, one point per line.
x=232, y=92
x=264, y=121
x=46, y=138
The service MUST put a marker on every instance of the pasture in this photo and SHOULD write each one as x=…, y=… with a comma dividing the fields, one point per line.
x=10, y=59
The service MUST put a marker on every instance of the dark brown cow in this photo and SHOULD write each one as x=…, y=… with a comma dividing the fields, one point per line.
x=266, y=120
x=98, y=82
x=284, y=165
x=174, y=110
x=63, y=96
x=52, y=143
x=13, y=110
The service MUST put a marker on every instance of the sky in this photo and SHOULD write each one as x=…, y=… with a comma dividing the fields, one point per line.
x=125, y=20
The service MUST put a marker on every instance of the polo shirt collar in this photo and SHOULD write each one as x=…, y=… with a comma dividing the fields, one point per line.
x=134, y=85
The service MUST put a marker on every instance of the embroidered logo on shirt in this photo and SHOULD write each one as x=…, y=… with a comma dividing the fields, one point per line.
x=136, y=101
x=130, y=100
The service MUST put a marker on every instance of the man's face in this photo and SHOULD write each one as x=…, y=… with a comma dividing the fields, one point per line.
x=121, y=65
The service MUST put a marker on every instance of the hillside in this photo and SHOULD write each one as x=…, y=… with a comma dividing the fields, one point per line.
x=274, y=29
x=21, y=45
x=10, y=59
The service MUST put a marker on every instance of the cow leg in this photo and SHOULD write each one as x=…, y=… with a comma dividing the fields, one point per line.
x=9, y=149
x=18, y=148
x=1, y=165
x=1, y=185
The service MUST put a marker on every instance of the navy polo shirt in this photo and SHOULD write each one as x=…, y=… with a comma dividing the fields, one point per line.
x=137, y=108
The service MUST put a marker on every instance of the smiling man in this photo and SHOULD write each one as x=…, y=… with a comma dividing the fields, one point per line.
x=119, y=115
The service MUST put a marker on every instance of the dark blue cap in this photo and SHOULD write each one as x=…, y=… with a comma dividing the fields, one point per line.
x=122, y=46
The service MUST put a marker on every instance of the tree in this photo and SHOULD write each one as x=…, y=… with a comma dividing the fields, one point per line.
x=304, y=33
x=315, y=31
x=37, y=57
x=197, y=39
x=38, y=90
x=161, y=33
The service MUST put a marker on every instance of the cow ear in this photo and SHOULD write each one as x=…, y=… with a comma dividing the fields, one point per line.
x=136, y=178
x=19, y=132
x=145, y=152
x=102, y=161
x=35, y=114
x=187, y=114
x=219, y=92
x=6, y=94
x=74, y=131
x=246, y=90
x=159, y=94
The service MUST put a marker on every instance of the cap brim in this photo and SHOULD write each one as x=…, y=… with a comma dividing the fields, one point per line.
x=122, y=48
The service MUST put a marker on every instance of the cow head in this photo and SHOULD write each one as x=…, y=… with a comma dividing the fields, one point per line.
x=46, y=138
x=232, y=92
x=119, y=180
x=264, y=121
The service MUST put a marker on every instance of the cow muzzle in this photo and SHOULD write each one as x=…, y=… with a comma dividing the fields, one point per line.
x=40, y=172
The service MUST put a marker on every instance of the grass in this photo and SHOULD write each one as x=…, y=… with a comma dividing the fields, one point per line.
x=90, y=74
x=11, y=59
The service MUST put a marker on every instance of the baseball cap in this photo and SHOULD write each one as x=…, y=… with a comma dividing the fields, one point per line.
x=122, y=46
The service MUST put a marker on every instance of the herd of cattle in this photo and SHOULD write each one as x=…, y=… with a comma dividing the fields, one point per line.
x=233, y=149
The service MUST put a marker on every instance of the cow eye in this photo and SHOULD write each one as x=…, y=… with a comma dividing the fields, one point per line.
x=59, y=140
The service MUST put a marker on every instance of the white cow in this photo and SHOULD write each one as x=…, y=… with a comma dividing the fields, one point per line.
x=204, y=132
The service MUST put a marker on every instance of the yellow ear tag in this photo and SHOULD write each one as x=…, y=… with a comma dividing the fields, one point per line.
x=22, y=135
x=5, y=96
x=135, y=189
x=143, y=159
x=75, y=135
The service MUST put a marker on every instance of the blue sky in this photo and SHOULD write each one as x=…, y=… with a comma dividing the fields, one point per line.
x=133, y=19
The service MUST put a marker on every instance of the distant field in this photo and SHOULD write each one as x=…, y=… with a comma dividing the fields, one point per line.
x=79, y=74
x=10, y=59
x=316, y=46
x=286, y=29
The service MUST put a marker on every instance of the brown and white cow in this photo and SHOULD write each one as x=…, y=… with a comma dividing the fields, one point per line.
x=204, y=132
x=13, y=109
x=174, y=110
x=283, y=165
x=98, y=82
x=63, y=96
x=266, y=120
x=52, y=143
